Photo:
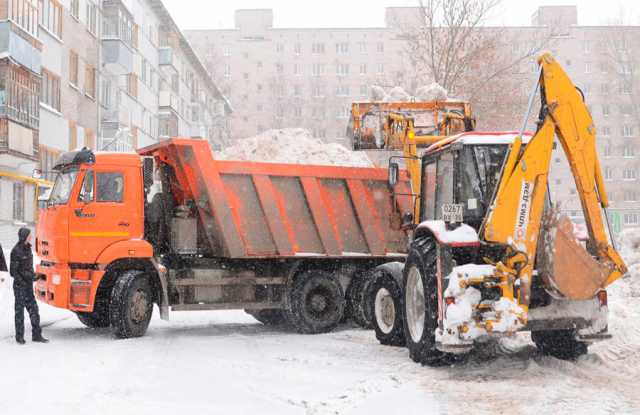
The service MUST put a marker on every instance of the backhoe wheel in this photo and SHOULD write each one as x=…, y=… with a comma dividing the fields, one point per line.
x=269, y=317
x=316, y=302
x=359, y=306
x=131, y=305
x=420, y=310
x=386, y=297
x=99, y=318
x=561, y=344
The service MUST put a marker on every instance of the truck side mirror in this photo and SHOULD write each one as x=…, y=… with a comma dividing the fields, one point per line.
x=394, y=174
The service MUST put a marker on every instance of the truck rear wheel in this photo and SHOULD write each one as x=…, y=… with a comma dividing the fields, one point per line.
x=269, y=317
x=131, y=305
x=316, y=302
x=359, y=307
x=386, y=297
x=561, y=344
x=420, y=310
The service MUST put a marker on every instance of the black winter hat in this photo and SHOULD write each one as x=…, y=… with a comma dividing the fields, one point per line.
x=23, y=233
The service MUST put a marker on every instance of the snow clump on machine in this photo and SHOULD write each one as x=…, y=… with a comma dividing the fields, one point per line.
x=293, y=145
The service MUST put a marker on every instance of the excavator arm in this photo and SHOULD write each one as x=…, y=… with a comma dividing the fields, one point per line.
x=516, y=213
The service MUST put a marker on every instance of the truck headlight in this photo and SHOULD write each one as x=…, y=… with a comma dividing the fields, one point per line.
x=55, y=279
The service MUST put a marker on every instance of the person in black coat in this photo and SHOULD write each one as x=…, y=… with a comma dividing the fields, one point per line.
x=3, y=263
x=21, y=269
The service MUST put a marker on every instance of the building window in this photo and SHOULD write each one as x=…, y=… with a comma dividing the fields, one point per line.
x=625, y=110
x=279, y=68
x=628, y=152
x=92, y=19
x=587, y=46
x=363, y=69
x=342, y=69
x=317, y=91
x=297, y=69
x=279, y=47
x=132, y=85
x=342, y=90
x=317, y=69
x=380, y=47
x=380, y=68
x=90, y=81
x=364, y=90
x=297, y=49
x=625, y=87
x=18, y=201
x=630, y=218
x=227, y=70
x=73, y=68
x=608, y=173
x=630, y=196
x=604, y=88
x=342, y=48
x=605, y=131
x=627, y=131
x=51, y=16
x=363, y=47
x=226, y=51
x=629, y=174
x=297, y=111
x=24, y=13
x=605, y=110
x=587, y=67
x=297, y=90
x=607, y=150
x=317, y=48
x=74, y=8
x=50, y=90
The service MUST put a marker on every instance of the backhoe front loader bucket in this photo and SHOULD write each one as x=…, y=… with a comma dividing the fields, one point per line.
x=566, y=268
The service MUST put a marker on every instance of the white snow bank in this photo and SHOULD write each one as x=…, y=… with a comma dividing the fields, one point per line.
x=431, y=92
x=293, y=145
x=426, y=93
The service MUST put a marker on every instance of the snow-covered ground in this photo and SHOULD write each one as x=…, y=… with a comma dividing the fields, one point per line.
x=226, y=362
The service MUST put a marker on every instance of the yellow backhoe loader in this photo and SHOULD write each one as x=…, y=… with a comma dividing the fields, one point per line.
x=490, y=257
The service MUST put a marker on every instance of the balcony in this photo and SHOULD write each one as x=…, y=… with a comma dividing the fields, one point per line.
x=169, y=101
x=167, y=59
x=17, y=140
x=26, y=52
x=117, y=56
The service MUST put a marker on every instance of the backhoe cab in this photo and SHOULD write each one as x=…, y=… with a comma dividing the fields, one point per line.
x=490, y=256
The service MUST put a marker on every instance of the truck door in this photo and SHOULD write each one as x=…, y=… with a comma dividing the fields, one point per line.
x=100, y=214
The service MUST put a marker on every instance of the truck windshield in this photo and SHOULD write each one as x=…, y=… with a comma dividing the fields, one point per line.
x=480, y=172
x=62, y=187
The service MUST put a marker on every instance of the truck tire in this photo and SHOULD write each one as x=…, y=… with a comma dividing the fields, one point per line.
x=316, y=302
x=420, y=305
x=359, y=307
x=98, y=319
x=561, y=344
x=131, y=305
x=386, y=297
x=268, y=317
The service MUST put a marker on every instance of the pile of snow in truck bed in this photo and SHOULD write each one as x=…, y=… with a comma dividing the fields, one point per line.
x=426, y=93
x=293, y=145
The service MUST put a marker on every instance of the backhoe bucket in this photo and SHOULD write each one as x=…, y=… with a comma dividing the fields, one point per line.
x=565, y=266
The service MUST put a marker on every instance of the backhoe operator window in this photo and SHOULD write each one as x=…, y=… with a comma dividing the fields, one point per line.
x=429, y=192
x=110, y=187
x=444, y=179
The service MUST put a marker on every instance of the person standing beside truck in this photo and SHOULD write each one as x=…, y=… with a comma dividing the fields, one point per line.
x=21, y=269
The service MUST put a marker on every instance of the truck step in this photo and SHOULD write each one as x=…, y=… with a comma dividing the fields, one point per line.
x=226, y=306
x=217, y=281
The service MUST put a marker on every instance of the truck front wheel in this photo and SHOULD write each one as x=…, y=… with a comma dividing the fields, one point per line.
x=387, y=300
x=316, y=302
x=131, y=305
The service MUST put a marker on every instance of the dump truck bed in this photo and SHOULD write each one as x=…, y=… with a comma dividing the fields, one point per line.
x=262, y=210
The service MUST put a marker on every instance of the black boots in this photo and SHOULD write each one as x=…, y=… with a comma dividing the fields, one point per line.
x=39, y=339
x=20, y=340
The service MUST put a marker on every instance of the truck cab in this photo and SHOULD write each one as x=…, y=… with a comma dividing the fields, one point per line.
x=93, y=216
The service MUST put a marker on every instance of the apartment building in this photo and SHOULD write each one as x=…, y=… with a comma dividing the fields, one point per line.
x=93, y=73
x=307, y=77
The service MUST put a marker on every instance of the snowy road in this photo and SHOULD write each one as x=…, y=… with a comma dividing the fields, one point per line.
x=225, y=362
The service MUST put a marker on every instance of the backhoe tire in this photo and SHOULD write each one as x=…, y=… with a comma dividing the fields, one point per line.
x=98, y=319
x=386, y=297
x=268, y=317
x=359, y=307
x=561, y=344
x=316, y=302
x=131, y=305
x=420, y=308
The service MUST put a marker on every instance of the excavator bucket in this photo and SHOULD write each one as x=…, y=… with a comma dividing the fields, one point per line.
x=566, y=268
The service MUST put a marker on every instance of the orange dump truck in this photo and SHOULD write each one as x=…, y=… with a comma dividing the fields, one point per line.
x=172, y=226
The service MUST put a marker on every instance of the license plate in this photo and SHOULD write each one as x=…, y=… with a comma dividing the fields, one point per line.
x=452, y=213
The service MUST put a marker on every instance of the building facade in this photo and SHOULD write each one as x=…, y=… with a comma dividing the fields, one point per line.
x=93, y=73
x=308, y=77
